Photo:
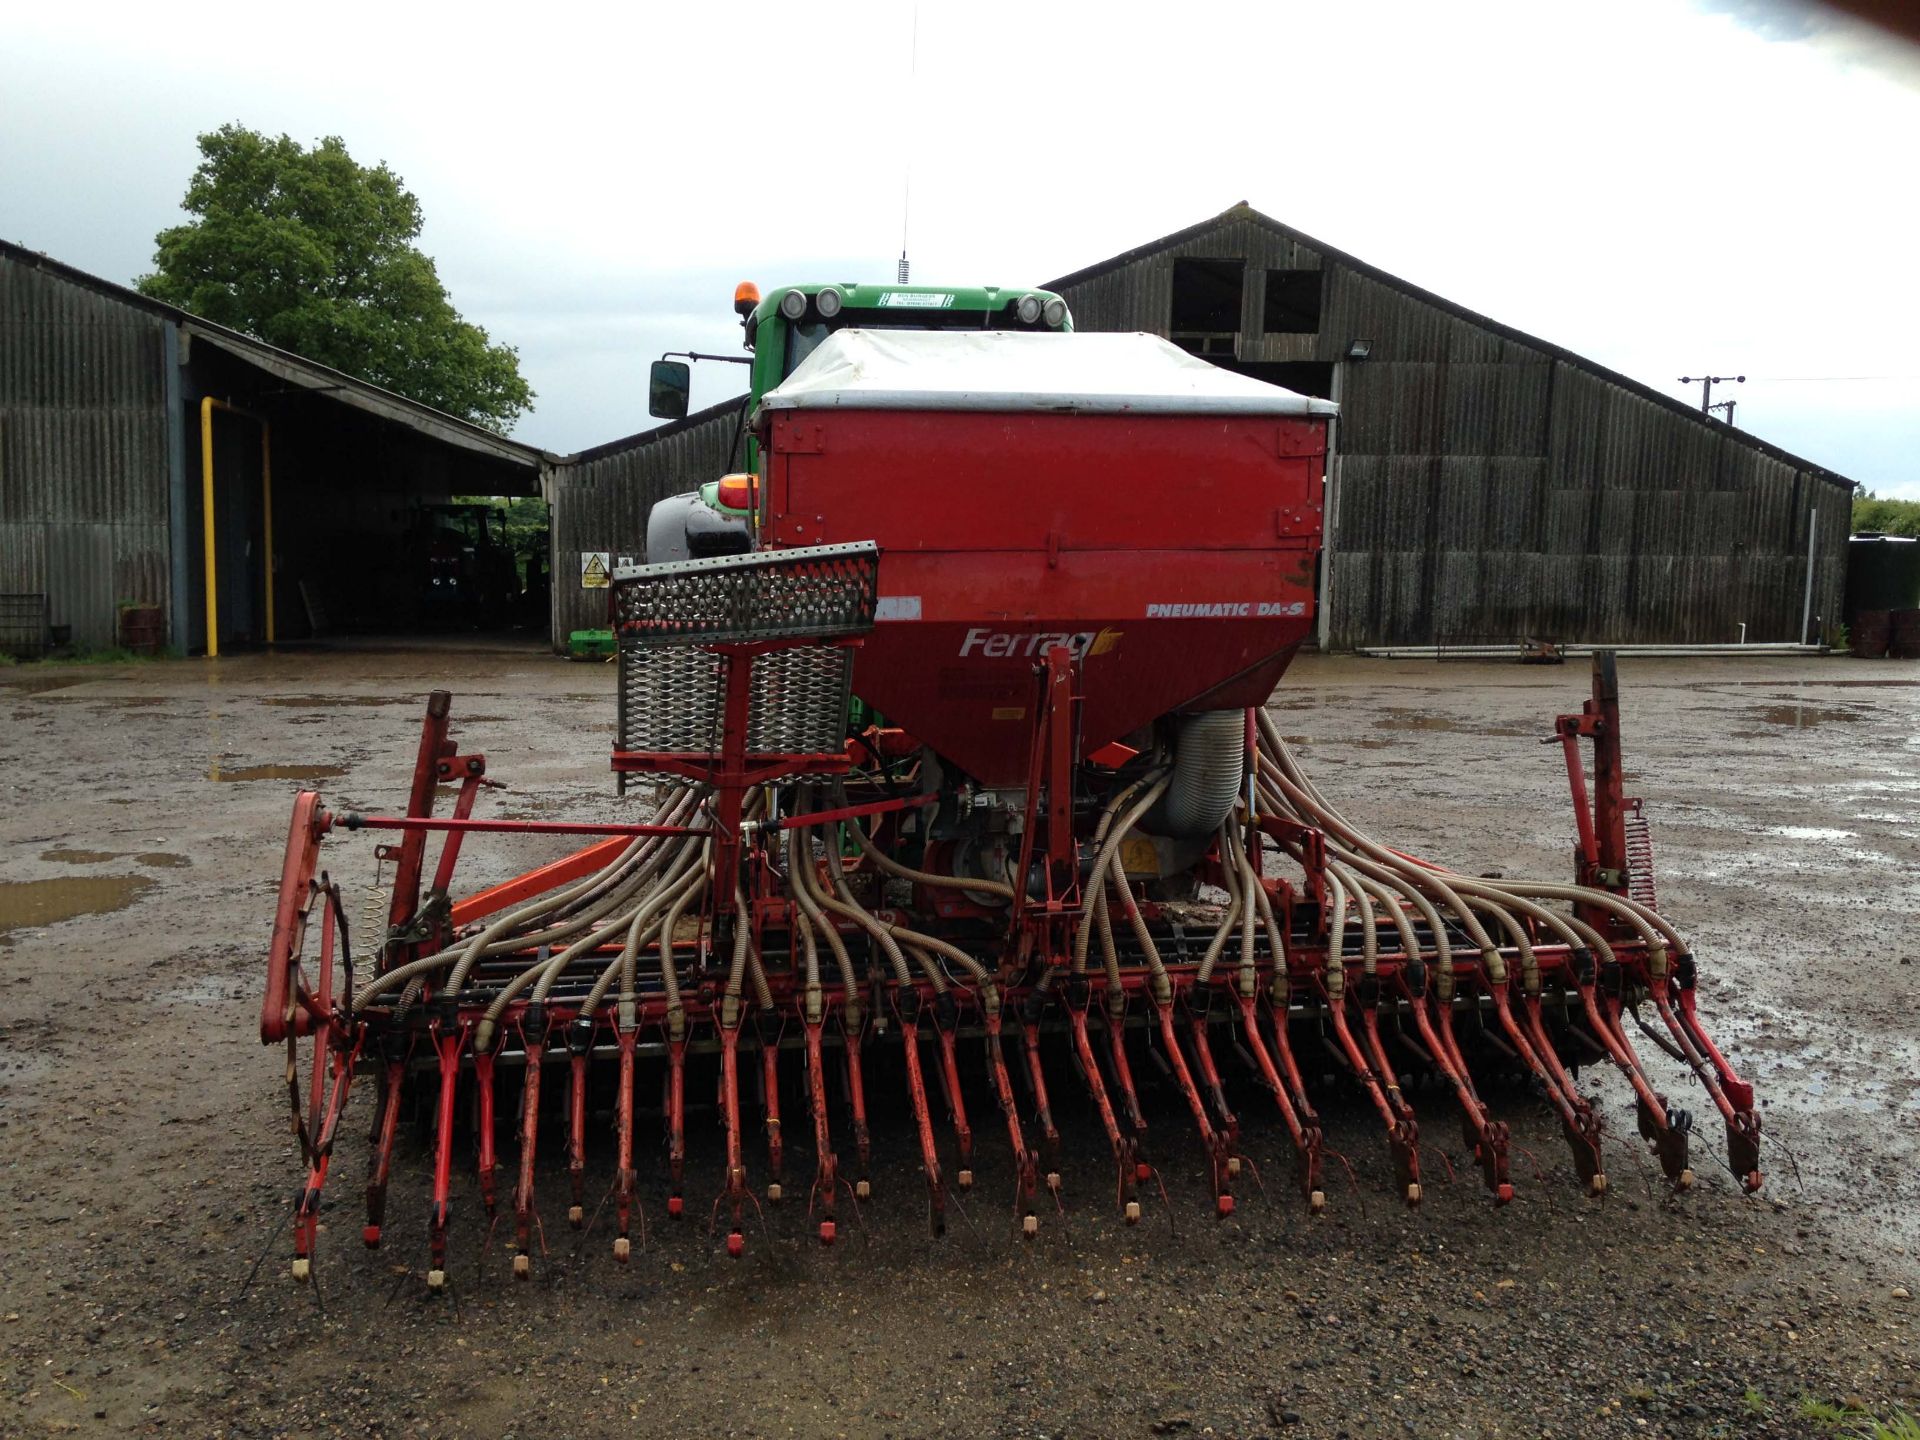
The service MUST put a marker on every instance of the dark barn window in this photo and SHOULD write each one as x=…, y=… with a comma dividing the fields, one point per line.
x=1303, y=377
x=1293, y=302
x=1206, y=304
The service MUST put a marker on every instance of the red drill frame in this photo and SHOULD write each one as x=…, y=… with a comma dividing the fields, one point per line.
x=1383, y=1018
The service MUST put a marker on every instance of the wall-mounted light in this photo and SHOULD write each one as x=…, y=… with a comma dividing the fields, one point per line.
x=1359, y=350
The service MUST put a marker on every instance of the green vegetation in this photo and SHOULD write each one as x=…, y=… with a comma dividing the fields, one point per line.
x=1851, y=1422
x=1755, y=1402
x=1825, y=1413
x=313, y=252
x=1888, y=517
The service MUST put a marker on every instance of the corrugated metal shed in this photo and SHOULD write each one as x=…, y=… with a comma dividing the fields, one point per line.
x=1489, y=485
x=83, y=451
x=99, y=451
x=601, y=498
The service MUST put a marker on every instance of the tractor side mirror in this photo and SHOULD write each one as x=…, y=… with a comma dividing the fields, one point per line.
x=668, y=384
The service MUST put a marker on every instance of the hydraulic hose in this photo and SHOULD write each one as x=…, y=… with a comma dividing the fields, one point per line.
x=801, y=881
x=894, y=868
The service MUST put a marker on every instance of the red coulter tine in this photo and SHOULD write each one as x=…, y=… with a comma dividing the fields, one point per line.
x=1123, y=1073
x=826, y=1175
x=1060, y=794
x=1218, y=1148
x=1026, y=1163
x=484, y=1162
x=525, y=1217
x=386, y=1128
x=579, y=1047
x=770, y=1101
x=1306, y=1146
x=922, y=1117
x=1042, y=1107
x=624, y=1176
x=734, y=1196
x=448, y=1041
x=944, y=1031
x=1486, y=1138
x=1122, y=1147
x=1402, y=1142
x=676, y=1124
x=857, y=1111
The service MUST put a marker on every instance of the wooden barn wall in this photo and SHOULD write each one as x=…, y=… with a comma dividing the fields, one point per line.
x=600, y=501
x=1493, y=490
x=83, y=451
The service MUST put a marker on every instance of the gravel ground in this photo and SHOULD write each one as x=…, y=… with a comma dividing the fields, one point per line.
x=144, y=1158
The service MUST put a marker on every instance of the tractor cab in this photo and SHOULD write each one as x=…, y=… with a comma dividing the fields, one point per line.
x=780, y=331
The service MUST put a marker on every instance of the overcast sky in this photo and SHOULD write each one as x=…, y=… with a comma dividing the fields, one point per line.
x=1665, y=186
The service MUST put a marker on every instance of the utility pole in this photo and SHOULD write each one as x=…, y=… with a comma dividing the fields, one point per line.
x=1726, y=405
x=1707, y=382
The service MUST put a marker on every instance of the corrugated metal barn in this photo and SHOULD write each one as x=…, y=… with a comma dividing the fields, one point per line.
x=601, y=498
x=1486, y=485
x=103, y=485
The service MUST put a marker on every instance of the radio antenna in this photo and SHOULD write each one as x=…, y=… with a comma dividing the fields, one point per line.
x=906, y=183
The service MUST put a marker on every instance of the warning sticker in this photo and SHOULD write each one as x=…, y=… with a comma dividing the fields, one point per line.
x=594, y=569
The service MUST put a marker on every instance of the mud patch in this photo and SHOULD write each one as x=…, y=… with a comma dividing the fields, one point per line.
x=225, y=773
x=1803, y=717
x=29, y=904
x=162, y=860
x=41, y=684
x=316, y=702
x=60, y=855
x=1396, y=719
x=1840, y=684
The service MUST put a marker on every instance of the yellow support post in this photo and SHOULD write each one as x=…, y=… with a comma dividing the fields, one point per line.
x=206, y=501
x=207, y=406
x=266, y=513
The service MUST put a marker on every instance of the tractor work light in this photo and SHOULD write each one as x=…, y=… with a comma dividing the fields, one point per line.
x=1028, y=309
x=1054, y=312
x=793, y=304
x=828, y=302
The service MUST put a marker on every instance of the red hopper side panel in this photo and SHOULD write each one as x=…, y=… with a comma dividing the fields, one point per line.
x=1175, y=554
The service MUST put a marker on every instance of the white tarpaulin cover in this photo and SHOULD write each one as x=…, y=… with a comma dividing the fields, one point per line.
x=1012, y=370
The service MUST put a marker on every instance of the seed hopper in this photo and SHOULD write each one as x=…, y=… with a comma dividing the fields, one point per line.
x=964, y=774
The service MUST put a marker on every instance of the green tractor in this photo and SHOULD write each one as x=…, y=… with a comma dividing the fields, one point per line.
x=781, y=330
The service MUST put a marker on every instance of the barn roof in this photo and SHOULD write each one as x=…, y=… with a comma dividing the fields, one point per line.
x=1244, y=213
x=295, y=370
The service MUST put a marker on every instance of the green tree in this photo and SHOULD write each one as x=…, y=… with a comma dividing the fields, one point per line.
x=1888, y=517
x=313, y=252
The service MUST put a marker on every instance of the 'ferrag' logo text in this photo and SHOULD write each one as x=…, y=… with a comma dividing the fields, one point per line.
x=987, y=644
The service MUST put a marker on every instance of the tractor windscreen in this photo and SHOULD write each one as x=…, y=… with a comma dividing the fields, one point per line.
x=802, y=341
